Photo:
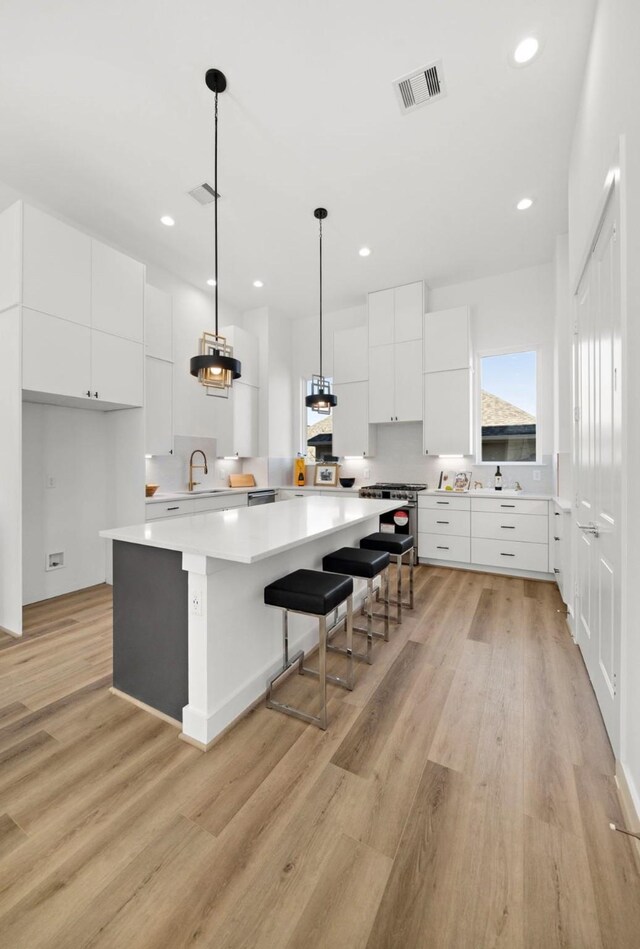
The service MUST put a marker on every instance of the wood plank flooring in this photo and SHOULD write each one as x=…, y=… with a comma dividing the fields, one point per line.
x=460, y=798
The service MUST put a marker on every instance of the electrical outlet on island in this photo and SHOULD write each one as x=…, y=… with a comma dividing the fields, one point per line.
x=536, y=474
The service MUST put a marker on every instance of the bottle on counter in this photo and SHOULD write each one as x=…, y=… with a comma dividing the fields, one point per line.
x=498, y=479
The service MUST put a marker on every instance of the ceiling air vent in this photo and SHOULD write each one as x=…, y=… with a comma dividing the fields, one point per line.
x=203, y=194
x=420, y=87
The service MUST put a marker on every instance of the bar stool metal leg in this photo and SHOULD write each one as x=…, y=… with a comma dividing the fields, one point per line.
x=322, y=670
x=412, y=560
x=349, y=681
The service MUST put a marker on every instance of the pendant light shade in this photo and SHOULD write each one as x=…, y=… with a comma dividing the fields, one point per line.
x=321, y=398
x=214, y=366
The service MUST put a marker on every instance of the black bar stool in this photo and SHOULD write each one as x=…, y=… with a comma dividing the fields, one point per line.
x=367, y=564
x=312, y=593
x=397, y=546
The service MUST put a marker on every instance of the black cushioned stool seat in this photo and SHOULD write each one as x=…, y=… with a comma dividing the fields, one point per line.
x=308, y=591
x=312, y=593
x=356, y=562
x=398, y=546
x=392, y=543
x=367, y=564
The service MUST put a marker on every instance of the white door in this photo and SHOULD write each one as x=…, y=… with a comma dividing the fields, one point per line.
x=158, y=406
x=381, y=314
x=351, y=430
x=117, y=292
x=382, y=397
x=408, y=312
x=245, y=421
x=56, y=355
x=447, y=412
x=598, y=468
x=117, y=369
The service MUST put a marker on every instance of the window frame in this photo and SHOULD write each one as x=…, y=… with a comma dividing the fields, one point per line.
x=504, y=351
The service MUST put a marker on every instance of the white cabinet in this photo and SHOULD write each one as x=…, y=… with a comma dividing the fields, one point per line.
x=395, y=315
x=188, y=506
x=56, y=355
x=117, y=369
x=350, y=355
x=56, y=267
x=447, y=415
x=237, y=432
x=447, y=340
x=158, y=406
x=352, y=433
x=395, y=354
x=117, y=292
x=246, y=349
x=158, y=323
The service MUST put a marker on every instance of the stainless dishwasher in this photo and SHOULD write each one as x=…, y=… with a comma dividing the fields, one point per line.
x=268, y=496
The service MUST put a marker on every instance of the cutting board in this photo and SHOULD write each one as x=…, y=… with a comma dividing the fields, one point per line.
x=241, y=481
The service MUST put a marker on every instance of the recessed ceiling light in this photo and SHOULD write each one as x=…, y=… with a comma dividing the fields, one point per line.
x=167, y=221
x=364, y=251
x=258, y=283
x=524, y=204
x=211, y=282
x=526, y=50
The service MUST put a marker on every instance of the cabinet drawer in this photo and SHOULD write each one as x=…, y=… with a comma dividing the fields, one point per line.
x=445, y=521
x=443, y=502
x=510, y=505
x=444, y=547
x=514, y=554
x=222, y=503
x=168, y=509
x=532, y=528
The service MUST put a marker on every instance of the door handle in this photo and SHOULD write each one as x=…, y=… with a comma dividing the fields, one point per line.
x=589, y=529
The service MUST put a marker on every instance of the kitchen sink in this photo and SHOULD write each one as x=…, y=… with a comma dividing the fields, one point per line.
x=193, y=494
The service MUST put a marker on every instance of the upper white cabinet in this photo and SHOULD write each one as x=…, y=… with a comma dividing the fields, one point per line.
x=237, y=428
x=395, y=315
x=350, y=355
x=56, y=267
x=408, y=382
x=158, y=406
x=11, y=256
x=352, y=433
x=447, y=426
x=117, y=292
x=116, y=369
x=245, y=348
x=447, y=340
x=158, y=323
x=56, y=355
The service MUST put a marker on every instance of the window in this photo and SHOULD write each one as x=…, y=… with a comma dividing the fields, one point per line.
x=508, y=407
x=318, y=433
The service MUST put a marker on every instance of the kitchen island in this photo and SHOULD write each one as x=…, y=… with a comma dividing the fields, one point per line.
x=193, y=639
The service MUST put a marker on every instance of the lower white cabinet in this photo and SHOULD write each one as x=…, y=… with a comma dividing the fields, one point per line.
x=507, y=533
x=184, y=507
x=64, y=358
x=158, y=407
x=237, y=435
x=447, y=416
x=352, y=433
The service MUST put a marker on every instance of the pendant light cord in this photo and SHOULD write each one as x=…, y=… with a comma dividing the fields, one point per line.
x=321, y=373
x=215, y=207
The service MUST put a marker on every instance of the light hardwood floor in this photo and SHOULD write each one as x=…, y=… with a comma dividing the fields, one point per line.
x=460, y=798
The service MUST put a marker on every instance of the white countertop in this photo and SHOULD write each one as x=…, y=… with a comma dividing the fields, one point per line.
x=161, y=497
x=248, y=534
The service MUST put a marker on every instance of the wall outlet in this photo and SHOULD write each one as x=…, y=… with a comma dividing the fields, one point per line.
x=50, y=481
x=196, y=603
x=54, y=561
x=536, y=474
x=366, y=473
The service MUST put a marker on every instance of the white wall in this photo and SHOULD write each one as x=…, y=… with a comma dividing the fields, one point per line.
x=11, y=477
x=609, y=109
x=71, y=446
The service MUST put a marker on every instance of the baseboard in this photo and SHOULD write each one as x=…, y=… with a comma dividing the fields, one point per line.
x=630, y=804
x=10, y=632
x=145, y=707
x=488, y=570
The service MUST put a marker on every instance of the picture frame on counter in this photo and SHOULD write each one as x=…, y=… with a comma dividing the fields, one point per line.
x=326, y=475
x=457, y=481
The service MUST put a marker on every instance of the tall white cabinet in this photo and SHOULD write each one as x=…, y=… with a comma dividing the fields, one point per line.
x=237, y=435
x=352, y=433
x=395, y=318
x=158, y=401
x=447, y=383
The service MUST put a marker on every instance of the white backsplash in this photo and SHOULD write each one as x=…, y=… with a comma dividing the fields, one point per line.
x=171, y=472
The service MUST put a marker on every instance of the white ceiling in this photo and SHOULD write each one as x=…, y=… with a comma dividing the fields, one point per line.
x=106, y=120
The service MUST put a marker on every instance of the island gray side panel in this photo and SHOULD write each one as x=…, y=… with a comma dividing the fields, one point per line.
x=150, y=626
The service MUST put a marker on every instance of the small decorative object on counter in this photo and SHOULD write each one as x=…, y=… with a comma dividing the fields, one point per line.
x=477, y=485
x=299, y=471
x=498, y=480
x=150, y=490
x=347, y=482
x=518, y=486
x=326, y=475
x=462, y=481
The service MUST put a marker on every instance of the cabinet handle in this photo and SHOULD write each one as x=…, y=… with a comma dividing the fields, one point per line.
x=442, y=522
x=556, y=538
x=507, y=555
x=557, y=513
x=95, y=394
x=507, y=505
x=177, y=508
x=89, y=392
x=442, y=502
x=556, y=570
x=438, y=547
x=507, y=527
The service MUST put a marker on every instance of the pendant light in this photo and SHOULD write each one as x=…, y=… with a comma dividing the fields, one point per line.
x=215, y=366
x=321, y=399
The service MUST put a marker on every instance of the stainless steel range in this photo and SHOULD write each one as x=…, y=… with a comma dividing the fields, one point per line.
x=404, y=518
